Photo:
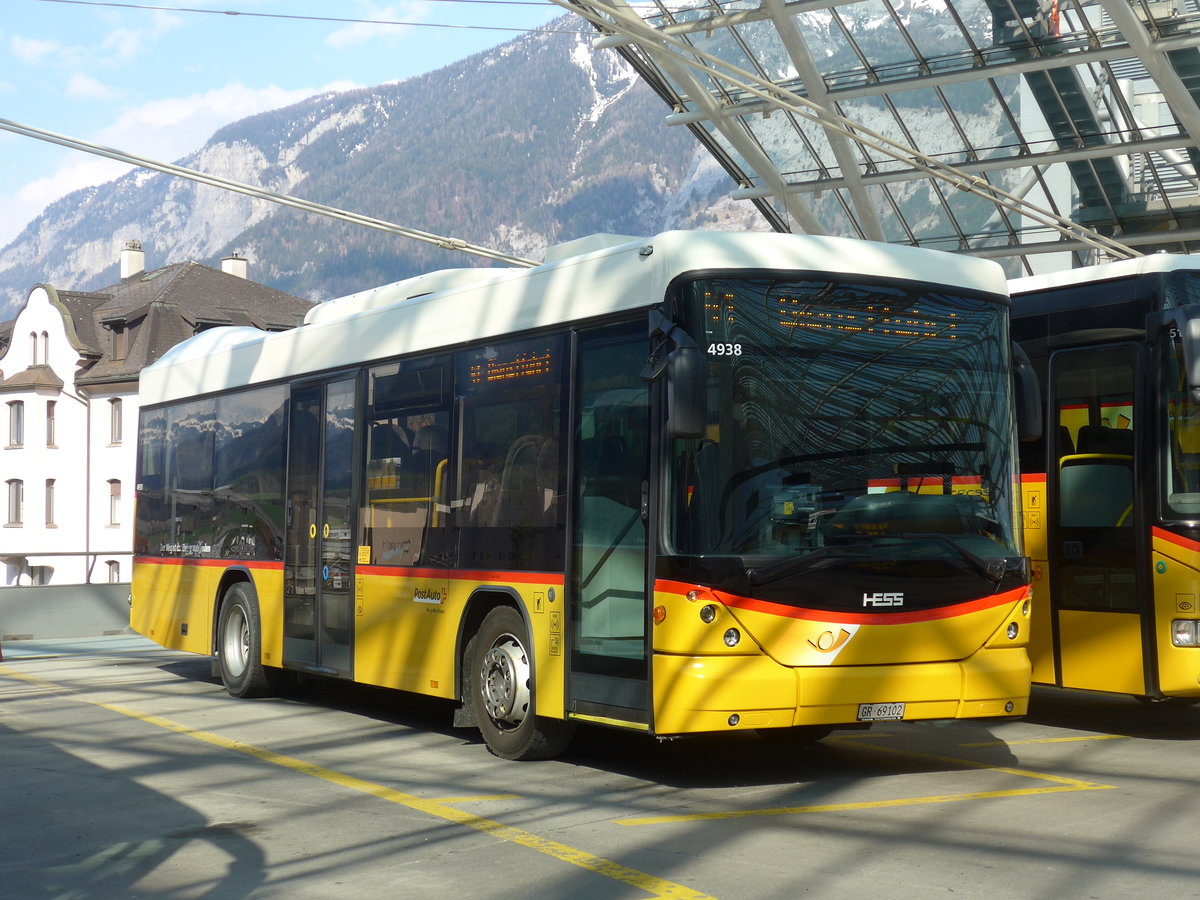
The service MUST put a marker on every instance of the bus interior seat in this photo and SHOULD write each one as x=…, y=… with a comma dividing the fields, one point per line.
x=546, y=478
x=519, y=501
x=1102, y=439
x=431, y=442
x=429, y=449
x=390, y=440
x=1066, y=446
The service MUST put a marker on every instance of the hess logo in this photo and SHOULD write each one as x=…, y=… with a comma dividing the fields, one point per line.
x=883, y=598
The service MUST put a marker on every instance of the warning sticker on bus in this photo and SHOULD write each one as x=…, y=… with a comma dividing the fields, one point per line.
x=875, y=712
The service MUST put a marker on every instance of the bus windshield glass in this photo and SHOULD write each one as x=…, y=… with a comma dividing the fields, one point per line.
x=848, y=422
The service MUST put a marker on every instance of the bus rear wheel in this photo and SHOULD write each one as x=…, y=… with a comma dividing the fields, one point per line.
x=502, y=692
x=239, y=647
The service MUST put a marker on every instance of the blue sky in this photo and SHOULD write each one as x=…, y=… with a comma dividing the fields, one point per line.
x=151, y=78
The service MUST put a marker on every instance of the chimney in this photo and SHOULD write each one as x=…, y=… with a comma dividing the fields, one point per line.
x=235, y=264
x=133, y=260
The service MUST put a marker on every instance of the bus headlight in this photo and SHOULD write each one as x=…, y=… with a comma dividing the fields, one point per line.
x=1013, y=631
x=733, y=637
x=708, y=613
x=1184, y=632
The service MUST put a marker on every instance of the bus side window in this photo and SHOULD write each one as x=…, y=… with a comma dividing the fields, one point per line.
x=511, y=481
x=406, y=484
x=408, y=463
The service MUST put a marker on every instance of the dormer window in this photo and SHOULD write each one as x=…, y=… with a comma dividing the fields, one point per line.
x=119, y=340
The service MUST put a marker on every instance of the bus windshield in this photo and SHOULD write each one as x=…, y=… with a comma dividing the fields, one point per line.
x=848, y=422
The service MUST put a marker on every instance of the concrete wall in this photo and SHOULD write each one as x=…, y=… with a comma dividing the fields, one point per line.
x=72, y=610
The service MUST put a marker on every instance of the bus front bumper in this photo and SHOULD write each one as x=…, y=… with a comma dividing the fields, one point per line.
x=695, y=694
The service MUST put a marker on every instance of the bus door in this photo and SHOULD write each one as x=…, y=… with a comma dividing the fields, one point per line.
x=609, y=671
x=1097, y=547
x=318, y=567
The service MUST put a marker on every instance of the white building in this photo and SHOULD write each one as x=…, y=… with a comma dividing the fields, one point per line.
x=69, y=366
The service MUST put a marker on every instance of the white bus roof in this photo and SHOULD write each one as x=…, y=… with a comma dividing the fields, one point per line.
x=1124, y=268
x=447, y=309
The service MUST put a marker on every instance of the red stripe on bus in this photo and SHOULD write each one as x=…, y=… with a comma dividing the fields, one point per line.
x=819, y=615
x=553, y=578
x=923, y=479
x=268, y=565
x=1177, y=540
x=1034, y=478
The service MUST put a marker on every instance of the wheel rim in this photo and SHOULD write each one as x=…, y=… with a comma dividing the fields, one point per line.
x=504, y=682
x=235, y=647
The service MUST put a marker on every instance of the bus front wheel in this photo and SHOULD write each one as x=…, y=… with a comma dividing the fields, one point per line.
x=502, y=692
x=239, y=646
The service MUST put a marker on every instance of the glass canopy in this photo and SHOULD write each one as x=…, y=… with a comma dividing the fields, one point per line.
x=1042, y=133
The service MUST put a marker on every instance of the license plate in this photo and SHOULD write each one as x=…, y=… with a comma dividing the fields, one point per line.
x=874, y=712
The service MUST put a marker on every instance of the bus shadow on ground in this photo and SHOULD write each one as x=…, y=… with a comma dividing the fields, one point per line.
x=747, y=758
x=1118, y=714
x=736, y=759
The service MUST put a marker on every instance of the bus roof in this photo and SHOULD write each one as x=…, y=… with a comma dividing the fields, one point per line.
x=1125, y=268
x=449, y=308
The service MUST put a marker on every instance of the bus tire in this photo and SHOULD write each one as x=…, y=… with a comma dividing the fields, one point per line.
x=502, y=694
x=239, y=646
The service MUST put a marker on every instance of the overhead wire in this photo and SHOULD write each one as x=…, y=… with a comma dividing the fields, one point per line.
x=260, y=193
x=340, y=20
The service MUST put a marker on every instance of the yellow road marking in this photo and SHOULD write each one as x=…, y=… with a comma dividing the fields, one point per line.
x=1062, y=785
x=656, y=887
x=844, y=807
x=1061, y=740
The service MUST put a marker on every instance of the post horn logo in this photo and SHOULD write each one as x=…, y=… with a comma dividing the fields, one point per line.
x=828, y=642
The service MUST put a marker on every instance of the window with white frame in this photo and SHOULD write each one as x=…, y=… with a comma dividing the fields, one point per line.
x=114, y=571
x=16, y=423
x=16, y=501
x=45, y=349
x=114, y=426
x=114, y=502
x=33, y=348
x=51, y=406
x=50, y=502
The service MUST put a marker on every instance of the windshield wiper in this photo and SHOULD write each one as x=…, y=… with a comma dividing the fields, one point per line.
x=817, y=559
x=991, y=569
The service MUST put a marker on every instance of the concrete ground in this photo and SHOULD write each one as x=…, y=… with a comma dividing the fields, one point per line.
x=128, y=772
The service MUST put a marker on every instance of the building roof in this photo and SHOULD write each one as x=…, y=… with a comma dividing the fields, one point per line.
x=122, y=328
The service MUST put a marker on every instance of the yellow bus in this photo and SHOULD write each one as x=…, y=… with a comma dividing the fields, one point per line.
x=692, y=483
x=1112, y=491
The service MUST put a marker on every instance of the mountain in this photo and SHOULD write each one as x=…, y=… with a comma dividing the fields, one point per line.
x=537, y=141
